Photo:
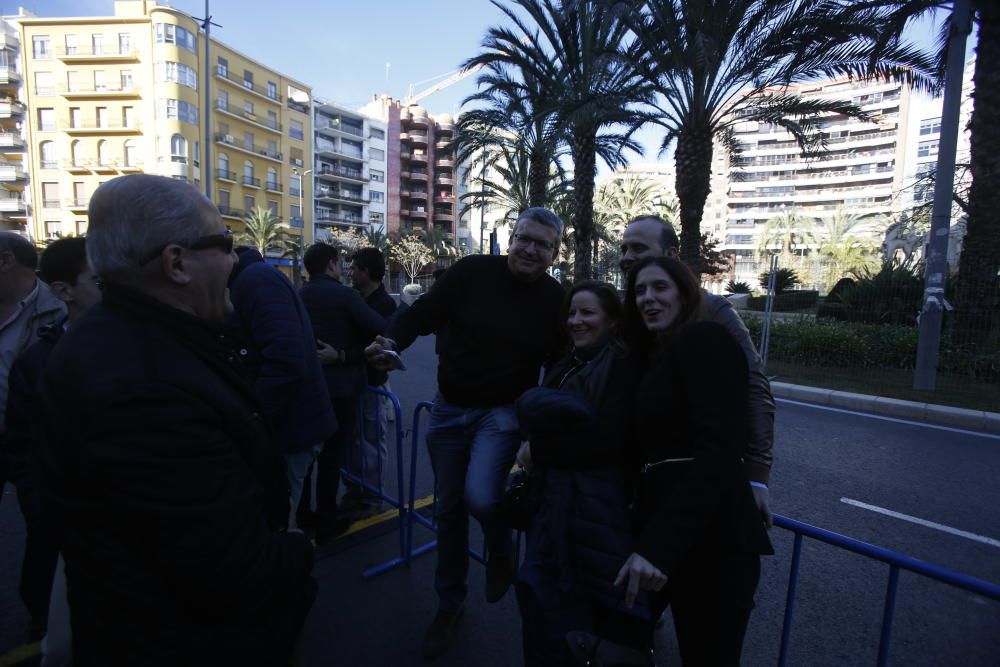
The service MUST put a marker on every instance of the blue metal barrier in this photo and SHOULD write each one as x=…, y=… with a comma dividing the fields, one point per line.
x=398, y=501
x=896, y=562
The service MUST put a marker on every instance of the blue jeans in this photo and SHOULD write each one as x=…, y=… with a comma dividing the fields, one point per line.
x=298, y=466
x=472, y=451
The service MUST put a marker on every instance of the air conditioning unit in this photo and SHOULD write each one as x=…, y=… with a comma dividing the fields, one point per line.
x=229, y=139
x=298, y=162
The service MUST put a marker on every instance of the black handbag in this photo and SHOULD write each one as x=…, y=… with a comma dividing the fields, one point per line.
x=522, y=498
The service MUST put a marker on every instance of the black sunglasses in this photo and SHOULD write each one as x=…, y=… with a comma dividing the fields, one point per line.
x=223, y=241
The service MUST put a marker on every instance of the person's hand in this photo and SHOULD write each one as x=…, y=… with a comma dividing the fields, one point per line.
x=327, y=354
x=374, y=356
x=760, y=497
x=639, y=574
x=524, y=456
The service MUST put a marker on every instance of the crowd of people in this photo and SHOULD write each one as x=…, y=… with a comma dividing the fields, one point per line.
x=176, y=415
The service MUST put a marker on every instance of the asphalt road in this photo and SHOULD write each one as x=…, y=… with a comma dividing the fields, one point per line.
x=851, y=474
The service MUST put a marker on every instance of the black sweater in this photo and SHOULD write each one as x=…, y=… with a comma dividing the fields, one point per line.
x=501, y=331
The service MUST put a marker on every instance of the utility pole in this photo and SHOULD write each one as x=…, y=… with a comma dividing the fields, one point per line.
x=925, y=376
x=482, y=207
x=207, y=172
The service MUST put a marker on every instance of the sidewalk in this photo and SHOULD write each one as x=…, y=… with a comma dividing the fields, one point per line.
x=944, y=415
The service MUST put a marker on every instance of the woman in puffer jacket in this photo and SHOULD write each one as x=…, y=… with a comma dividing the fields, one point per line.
x=582, y=532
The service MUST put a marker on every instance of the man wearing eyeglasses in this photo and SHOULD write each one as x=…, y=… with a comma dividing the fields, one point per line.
x=503, y=325
x=156, y=465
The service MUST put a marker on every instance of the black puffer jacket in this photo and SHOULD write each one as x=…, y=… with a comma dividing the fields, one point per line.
x=157, y=467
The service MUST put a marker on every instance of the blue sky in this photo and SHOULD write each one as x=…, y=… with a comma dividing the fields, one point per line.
x=341, y=47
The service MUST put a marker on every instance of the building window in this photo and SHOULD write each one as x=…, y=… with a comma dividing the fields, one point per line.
x=376, y=218
x=103, y=156
x=196, y=157
x=47, y=120
x=930, y=126
x=223, y=100
x=248, y=172
x=249, y=203
x=52, y=229
x=97, y=43
x=81, y=227
x=222, y=67
x=272, y=206
x=167, y=70
x=295, y=130
x=272, y=90
x=74, y=154
x=376, y=133
x=927, y=148
x=128, y=117
x=248, y=79
x=41, y=47
x=70, y=45
x=296, y=218
x=126, y=79
x=248, y=107
x=295, y=185
x=376, y=196
x=376, y=154
x=124, y=43
x=177, y=109
x=100, y=79
x=168, y=33
x=102, y=116
x=272, y=178
x=377, y=176
x=131, y=154
x=44, y=84
x=178, y=149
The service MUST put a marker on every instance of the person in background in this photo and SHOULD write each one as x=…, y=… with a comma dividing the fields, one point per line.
x=342, y=324
x=651, y=236
x=280, y=350
x=63, y=267
x=167, y=493
x=26, y=305
x=502, y=315
x=367, y=274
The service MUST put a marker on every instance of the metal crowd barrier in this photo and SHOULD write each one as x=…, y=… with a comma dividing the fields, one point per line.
x=896, y=562
x=398, y=501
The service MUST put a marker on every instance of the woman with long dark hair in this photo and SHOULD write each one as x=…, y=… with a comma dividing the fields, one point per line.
x=582, y=530
x=699, y=535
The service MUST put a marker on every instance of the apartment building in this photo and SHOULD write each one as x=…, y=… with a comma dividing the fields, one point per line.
x=14, y=192
x=349, y=169
x=125, y=94
x=476, y=222
x=421, y=188
x=860, y=172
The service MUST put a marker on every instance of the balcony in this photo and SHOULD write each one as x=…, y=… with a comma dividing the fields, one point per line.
x=92, y=127
x=444, y=179
x=12, y=205
x=11, y=142
x=246, y=116
x=444, y=216
x=11, y=109
x=329, y=149
x=445, y=162
x=418, y=137
x=250, y=182
x=416, y=194
x=416, y=213
x=77, y=204
x=333, y=127
x=11, y=174
x=225, y=175
x=48, y=164
x=102, y=91
x=256, y=89
x=417, y=119
x=340, y=195
x=83, y=54
x=229, y=212
x=342, y=172
x=443, y=198
x=239, y=144
x=417, y=175
x=420, y=158
x=324, y=218
x=8, y=75
x=404, y=137
x=298, y=106
x=273, y=186
x=443, y=144
x=78, y=166
x=445, y=128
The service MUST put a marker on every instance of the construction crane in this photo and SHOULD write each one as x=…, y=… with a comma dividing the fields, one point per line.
x=452, y=77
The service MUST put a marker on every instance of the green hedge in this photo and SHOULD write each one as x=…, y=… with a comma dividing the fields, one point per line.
x=857, y=345
x=785, y=301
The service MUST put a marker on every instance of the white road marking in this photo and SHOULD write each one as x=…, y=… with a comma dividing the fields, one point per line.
x=939, y=427
x=923, y=522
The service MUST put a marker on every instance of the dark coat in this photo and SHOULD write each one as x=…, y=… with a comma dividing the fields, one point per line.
x=274, y=326
x=692, y=403
x=157, y=467
x=341, y=318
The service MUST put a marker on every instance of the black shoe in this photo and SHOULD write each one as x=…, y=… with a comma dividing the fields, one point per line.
x=334, y=529
x=499, y=576
x=440, y=633
x=588, y=649
x=305, y=518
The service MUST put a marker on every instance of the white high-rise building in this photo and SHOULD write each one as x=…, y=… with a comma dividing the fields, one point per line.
x=15, y=195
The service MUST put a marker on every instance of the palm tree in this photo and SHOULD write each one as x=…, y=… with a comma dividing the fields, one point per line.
x=570, y=49
x=790, y=231
x=295, y=248
x=263, y=230
x=843, y=248
x=621, y=200
x=978, y=288
x=717, y=63
x=377, y=239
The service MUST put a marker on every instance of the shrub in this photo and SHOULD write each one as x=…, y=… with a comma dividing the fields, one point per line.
x=891, y=295
x=734, y=287
x=785, y=302
x=784, y=280
x=832, y=307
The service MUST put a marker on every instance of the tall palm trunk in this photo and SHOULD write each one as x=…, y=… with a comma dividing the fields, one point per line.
x=584, y=149
x=978, y=310
x=693, y=162
x=538, y=176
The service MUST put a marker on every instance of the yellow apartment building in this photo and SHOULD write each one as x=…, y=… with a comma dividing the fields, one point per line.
x=123, y=94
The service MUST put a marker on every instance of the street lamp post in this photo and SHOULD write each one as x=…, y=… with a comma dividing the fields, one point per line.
x=482, y=202
x=302, y=212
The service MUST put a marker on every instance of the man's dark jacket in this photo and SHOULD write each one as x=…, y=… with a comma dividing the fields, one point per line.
x=157, y=466
x=274, y=326
x=341, y=318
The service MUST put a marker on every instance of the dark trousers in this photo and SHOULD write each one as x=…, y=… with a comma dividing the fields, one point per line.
x=711, y=597
x=40, y=556
x=328, y=464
